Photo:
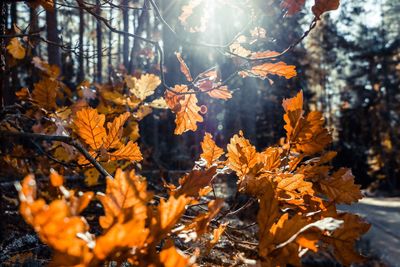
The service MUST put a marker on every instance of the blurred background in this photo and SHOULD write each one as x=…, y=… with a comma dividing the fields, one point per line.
x=348, y=68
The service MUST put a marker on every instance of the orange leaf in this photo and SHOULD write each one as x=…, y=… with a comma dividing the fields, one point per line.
x=201, y=222
x=56, y=179
x=45, y=92
x=184, y=68
x=172, y=257
x=263, y=70
x=322, y=6
x=242, y=156
x=130, y=151
x=343, y=239
x=143, y=87
x=211, y=152
x=192, y=183
x=115, y=131
x=186, y=109
x=221, y=92
x=217, y=233
x=168, y=214
x=340, y=187
x=126, y=198
x=90, y=126
x=16, y=49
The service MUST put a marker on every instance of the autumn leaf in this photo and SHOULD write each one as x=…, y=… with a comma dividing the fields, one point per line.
x=89, y=124
x=168, y=214
x=242, y=156
x=113, y=137
x=201, y=223
x=51, y=71
x=343, y=240
x=218, y=92
x=292, y=6
x=120, y=238
x=143, y=87
x=292, y=187
x=16, y=49
x=126, y=197
x=217, y=234
x=45, y=93
x=340, y=187
x=56, y=179
x=322, y=6
x=211, y=152
x=170, y=256
x=263, y=70
x=130, y=151
x=184, y=68
x=192, y=183
x=183, y=103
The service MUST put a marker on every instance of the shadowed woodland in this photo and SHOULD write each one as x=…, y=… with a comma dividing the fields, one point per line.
x=201, y=133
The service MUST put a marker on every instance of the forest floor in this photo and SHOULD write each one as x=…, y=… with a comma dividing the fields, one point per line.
x=383, y=239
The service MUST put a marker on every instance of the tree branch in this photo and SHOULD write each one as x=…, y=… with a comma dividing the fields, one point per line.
x=64, y=139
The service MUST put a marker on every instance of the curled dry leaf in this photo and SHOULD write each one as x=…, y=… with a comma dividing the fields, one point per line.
x=184, y=68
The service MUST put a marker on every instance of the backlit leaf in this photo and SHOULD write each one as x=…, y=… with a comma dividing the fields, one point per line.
x=211, y=152
x=89, y=124
x=45, y=92
x=130, y=151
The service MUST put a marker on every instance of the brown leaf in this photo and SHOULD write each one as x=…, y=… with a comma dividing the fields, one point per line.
x=242, y=156
x=16, y=49
x=265, y=69
x=340, y=187
x=292, y=6
x=322, y=6
x=185, y=107
x=211, y=152
x=126, y=198
x=45, y=93
x=115, y=131
x=192, y=183
x=89, y=124
x=184, y=68
x=130, y=151
x=343, y=239
x=170, y=256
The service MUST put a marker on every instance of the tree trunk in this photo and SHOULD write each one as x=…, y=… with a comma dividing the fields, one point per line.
x=81, y=71
x=53, y=48
x=125, y=18
x=99, y=46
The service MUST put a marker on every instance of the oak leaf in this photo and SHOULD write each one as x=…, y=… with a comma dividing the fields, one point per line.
x=279, y=68
x=126, y=197
x=242, y=156
x=341, y=188
x=90, y=126
x=170, y=256
x=183, y=102
x=144, y=86
x=192, y=183
x=130, y=151
x=343, y=239
x=115, y=128
x=211, y=152
x=16, y=49
x=45, y=93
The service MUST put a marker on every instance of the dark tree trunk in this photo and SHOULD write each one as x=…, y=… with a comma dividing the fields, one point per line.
x=81, y=71
x=3, y=25
x=99, y=38
x=53, y=48
x=125, y=18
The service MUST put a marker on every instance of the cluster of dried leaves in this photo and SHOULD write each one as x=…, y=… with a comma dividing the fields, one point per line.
x=295, y=186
